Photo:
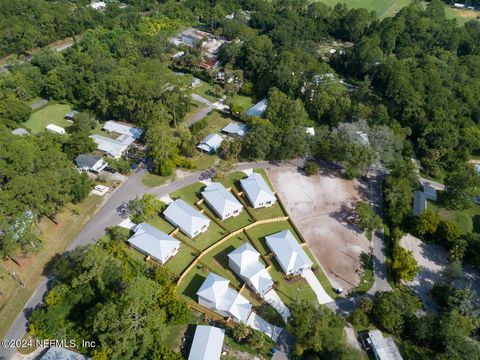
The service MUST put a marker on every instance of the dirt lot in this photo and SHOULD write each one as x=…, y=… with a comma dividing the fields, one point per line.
x=319, y=206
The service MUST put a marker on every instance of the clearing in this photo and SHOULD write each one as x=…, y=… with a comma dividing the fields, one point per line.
x=51, y=114
x=382, y=8
x=318, y=205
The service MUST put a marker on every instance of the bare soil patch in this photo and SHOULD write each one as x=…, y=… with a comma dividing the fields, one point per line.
x=320, y=205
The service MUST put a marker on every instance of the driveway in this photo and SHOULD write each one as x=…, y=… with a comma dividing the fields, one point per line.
x=274, y=300
x=322, y=296
x=258, y=323
x=201, y=113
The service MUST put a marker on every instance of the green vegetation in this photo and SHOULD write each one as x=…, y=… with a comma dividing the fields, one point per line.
x=51, y=114
x=190, y=194
x=242, y=102
x=208, y=91
x=182, y=260
x=466, y=218
x=151, y=180
x=381, y=7
x=204, y=240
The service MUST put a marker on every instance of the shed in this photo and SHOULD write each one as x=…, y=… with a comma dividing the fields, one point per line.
x=207, y=343
x=258, y=109
x=211, y=143
x=55, y=129
x=20, y=132
x=222, y=201
x=71, y=115
x=419, y=202
x=190, y=221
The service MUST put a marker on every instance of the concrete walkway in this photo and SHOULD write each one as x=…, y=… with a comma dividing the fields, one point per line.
x=322, y=296
x=258, y=323
x=274, y=300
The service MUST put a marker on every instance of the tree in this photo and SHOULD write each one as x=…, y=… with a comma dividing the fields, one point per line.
x=404, y=266
x=229, y=150
x=78, y=143
x=12, y=108
x=459, y=185
x=241, y=332
x=256, y=339
x=367, y=219
x=144, y=208
x=311, y=168
x=163, y=148
x=357, y=160
x=83, y=122
x=426, y=224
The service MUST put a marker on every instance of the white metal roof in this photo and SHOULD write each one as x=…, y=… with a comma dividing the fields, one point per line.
x=288, y=251
x=385, y=348
x=20, y=131
x=185, y=217
x=220, y=199
x=112, y=147
x=257, y=189
x=211, y=143
x=153, y=242
x=56, y=129
x=123, y=129
x=235, y=128
x=207, y=343
x=58, y=353
x=215, y=289
x=246, y=257
x=258, y=109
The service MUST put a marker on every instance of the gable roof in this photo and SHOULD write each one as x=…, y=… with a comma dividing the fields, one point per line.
x=222, y=200
x=87, y=160
x=154, y=242
x=123, y=129
x=20, y=131
x=185, y=216
x=257, y=189
x=58, y=353
x=207, y=343
x=258, y=109
x=210, y=143
x=288, y=251
x=419, y=202
x=385, y=348
x=110, y=146
x=235, y=128
x=213, y=288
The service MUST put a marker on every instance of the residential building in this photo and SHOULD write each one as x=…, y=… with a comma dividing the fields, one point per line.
x=235, y=129
x=190, y=221
x=98, y=5
x=58, y=353
x=292, y=258
x=193, y=37
x=111, y=147
x=215, y=294
x=55, y=129
x=89, y=162
x=419, y=202
x=20, y=132
x=222, y=201
x=154, y=243
x=382, y=348
x=258, y=109
x=116, y=127
x=257, y=191
x=244, y=261
x=211, y=143
x=207, y=343
x=209, y=63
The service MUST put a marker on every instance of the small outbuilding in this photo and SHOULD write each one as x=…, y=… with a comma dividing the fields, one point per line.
x=71, y=115
x=55, y=129
x=20, y=132
x=382, y=348
x=292, y=258
x=89, y=162
x=207, y=343
x=258, y=109
x=235, y=129
x=154, y=243
x=222, y=201
x=257, y=191
x=419, y=202
x=211, y=143
x=190, y=221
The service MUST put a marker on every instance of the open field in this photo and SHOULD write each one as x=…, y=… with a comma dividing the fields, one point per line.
x=56, y=238
x=462, y=15
x=206, y=90
x=51, y=114
x=243, y=102
x=468, y=219
x=382, y=8
x=318, y=206
x=216, y=122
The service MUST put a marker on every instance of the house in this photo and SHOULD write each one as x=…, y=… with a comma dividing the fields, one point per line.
x=222, y=201
x=58, y=353
x=211, y=143
x=209, y=63
x=111, y=147
x=55, y=129
x=190, y=221
x=116, y=127
x=193, y=37
x=98, y=5
x=215, y=294
x=71, y=115
x=20, y=132
x=419, y=202
x=235, y=129
x=244, y=261
x=88, y=162
x=207, y=343
x=258, y=109
x=154, y=243
x=257, y=191
x=382, y=348
x=292, y=258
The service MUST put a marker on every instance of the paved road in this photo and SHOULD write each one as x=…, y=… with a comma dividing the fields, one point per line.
x=201, y=113
x=110, y=214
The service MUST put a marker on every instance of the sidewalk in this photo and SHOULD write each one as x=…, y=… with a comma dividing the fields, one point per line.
x=312, y=280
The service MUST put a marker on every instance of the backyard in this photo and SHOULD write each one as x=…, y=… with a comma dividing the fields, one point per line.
x=467, y=219
x=51, y=114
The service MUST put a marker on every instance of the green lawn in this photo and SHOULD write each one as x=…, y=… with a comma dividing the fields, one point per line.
x=174, y=338
x=189, y=286
x=468, y=220
x=233, y=223
x=216, y=121
x=162, y=224
x=203, y=241
x=181, y=261
x=232, y=180
x=243, y=102
x=152, y=180
x=206, y=90
x=190, y=194
x=381, y=7
x=462, y=15
x=51, y=114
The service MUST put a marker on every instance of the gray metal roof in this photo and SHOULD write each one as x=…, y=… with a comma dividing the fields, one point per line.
x=288, y=251
x=235, y=128
x=384, y=348
x=220, y=199
x=419, y=202
x=258, y=109
x=207, y=343
x=58, y=353
x=185, y=217
x=257, y=189
x=211, y=143
x=20, y=131
x=87, y=160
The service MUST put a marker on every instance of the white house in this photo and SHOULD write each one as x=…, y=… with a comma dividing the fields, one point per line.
x=222, y=201
x=292, y=258
x=211, y=143
x=258, y=109
x=190, y=221
x=257, y=190
x=154, y=243
x=111, y=147
x=235, y=129
x=244, y=261
x=123, y=129
x=88, y=162
x=215, y=294
x=207, y=343
x=55, y=129
x=382, y=348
